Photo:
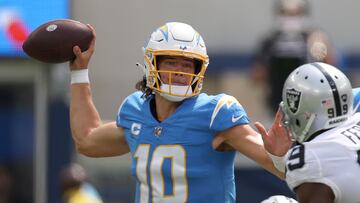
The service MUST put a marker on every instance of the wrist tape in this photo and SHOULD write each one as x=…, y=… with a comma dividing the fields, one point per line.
x=279, y=162
x=80, y=76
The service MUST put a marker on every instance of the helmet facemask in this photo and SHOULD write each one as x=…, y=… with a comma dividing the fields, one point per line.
x=299, y=125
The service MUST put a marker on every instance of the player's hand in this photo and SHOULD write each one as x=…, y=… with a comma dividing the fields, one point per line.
x=82, y=59
x=277, y=140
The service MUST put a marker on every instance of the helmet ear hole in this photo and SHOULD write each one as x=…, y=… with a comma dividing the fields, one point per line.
x=322, y=81
x=297, y=122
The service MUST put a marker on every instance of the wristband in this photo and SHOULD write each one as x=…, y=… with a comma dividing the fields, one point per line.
x=80, y=76
x=279, y=161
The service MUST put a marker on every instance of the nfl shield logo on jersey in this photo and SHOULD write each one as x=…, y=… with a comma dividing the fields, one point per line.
x=293, y=99
x=157, y=131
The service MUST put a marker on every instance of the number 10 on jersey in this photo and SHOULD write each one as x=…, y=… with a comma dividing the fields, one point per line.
x=154, y=177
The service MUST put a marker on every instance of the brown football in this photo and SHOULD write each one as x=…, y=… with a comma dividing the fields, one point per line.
x=53, y=41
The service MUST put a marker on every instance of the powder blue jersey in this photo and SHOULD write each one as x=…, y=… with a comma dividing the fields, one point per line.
x=356, y=95
x=174, y=161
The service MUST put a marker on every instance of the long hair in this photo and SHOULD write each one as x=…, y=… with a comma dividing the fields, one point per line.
x=141, y=85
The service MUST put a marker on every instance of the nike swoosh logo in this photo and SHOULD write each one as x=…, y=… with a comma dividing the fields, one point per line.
x=234, y=119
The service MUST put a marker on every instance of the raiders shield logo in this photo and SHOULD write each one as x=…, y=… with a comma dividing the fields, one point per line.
x=293, y=99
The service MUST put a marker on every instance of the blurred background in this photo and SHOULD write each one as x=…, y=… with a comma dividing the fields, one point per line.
x=244, y=40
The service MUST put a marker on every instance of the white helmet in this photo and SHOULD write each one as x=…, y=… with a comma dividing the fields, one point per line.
x=279, y=199
x=315, y=97
x=175, y=39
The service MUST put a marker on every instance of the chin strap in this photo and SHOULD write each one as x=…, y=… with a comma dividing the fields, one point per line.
x=307, y=127
x=185, y=91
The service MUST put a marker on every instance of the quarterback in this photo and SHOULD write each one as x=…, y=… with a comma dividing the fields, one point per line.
x=317, y=107
x=179, y=138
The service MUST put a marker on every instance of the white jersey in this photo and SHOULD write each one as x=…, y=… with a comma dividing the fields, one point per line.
x=331, y=158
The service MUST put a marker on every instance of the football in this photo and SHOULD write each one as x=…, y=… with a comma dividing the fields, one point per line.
x=53, y=41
